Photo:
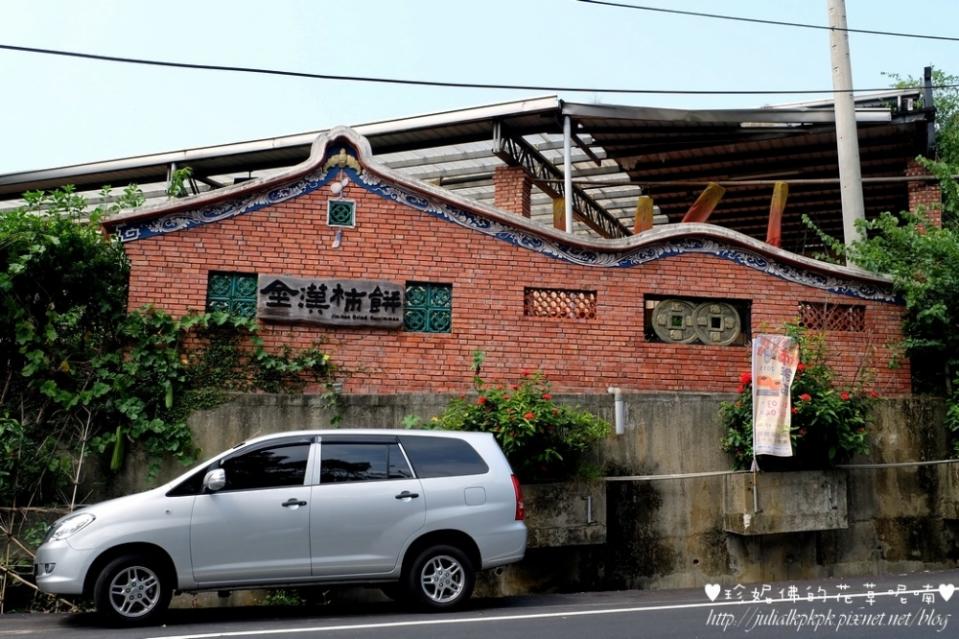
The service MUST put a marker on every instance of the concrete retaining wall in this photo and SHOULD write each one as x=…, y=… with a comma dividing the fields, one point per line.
x=669, y=532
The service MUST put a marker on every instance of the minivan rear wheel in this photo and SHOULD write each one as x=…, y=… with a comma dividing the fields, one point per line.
x=440, y=578
x=131, y=590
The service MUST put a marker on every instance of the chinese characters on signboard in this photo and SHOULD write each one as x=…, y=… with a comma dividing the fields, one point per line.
x=330, y=301
x=775, y=358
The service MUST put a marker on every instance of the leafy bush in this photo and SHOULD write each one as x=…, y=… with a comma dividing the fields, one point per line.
x=923, y=262
x=542, y=439
x=829, y=425
x=80, y=373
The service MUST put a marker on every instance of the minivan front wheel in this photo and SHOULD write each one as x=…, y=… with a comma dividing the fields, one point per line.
x=131, y=590
x=441, y=578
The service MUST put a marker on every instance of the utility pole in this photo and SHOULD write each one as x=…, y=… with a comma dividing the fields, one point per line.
x=847, y=141
x=568, y=174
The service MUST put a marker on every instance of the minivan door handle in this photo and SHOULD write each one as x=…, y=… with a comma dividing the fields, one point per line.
x=293, y=503
x=407, y=495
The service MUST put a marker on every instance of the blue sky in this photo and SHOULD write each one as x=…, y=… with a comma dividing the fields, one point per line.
x=57, y=111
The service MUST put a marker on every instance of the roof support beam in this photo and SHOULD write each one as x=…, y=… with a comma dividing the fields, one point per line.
x=213, y=184
x=777, y=206
x=585, y=147
x=516, y=151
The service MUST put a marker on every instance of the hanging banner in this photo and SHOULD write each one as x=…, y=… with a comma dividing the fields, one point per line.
x=775, y=358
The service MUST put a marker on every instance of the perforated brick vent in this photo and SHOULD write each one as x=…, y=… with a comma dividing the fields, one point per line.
x=558, y=302
x=820, y=316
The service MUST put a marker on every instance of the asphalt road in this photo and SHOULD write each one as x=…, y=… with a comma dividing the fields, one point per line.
x=916, y=605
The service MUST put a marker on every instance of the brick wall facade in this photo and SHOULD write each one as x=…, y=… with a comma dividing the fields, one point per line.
x=924, y=196
x=512, y=189
x=393, y=241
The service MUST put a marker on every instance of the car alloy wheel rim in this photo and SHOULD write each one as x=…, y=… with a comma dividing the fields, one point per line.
x=443, y=579
x=134, y=591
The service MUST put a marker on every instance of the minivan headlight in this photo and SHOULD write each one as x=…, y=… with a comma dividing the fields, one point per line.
x=70, y=526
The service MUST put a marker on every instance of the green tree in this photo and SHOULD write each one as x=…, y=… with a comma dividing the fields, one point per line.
x=80, y=373
x=923, y=260
x=64, y=289
x=945, y=165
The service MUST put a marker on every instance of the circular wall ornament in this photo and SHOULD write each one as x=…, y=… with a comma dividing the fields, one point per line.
x=673, y=321
x=717, y=323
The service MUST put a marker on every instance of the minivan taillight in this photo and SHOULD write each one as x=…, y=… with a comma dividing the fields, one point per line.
x=520, y=507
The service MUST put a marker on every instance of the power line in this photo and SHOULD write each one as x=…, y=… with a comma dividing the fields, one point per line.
x=781, y=23
x=429, y=83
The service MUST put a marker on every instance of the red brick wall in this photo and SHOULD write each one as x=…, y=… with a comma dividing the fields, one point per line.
x=393, y=242
x=924, y=196
x=512, y=189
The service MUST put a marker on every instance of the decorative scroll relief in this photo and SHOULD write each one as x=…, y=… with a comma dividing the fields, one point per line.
x=341, y=164
x=330, y=301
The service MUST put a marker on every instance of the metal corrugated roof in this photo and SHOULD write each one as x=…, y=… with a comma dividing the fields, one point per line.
x=648, y=146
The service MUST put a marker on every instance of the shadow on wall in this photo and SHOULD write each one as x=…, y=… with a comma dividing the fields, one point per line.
x=634, y=549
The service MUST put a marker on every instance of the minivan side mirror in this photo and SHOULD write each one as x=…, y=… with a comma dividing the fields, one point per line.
x=214, y=480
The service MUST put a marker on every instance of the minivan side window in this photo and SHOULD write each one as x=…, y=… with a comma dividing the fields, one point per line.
x=269, y=467
x=442, y=457
x=350, y=462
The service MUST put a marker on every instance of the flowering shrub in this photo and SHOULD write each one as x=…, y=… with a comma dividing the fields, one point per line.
x=543, y=440
x=829, y=425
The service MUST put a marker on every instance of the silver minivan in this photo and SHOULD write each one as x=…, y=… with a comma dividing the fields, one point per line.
x=415, y=512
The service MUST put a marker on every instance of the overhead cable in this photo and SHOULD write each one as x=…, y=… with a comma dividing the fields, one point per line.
x=779, y=23
x=432, y=83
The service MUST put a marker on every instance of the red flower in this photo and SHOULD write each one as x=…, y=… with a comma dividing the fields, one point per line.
x=525, y=373
x=740, y=388
x=547, y=396
x=480, y=400
x=873, y=394
x=844, y=396
x=746, y=378
x=800, y=367
x=795, y=410
x=805, y=397
x=530, y=416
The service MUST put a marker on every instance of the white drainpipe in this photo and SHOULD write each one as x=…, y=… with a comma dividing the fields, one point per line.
x=619, y=411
